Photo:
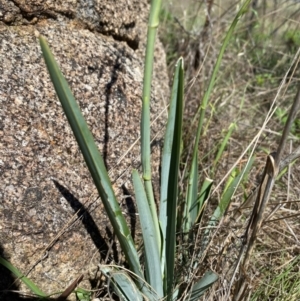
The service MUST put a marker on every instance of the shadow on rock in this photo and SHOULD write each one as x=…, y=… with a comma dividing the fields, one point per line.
x=86, y=219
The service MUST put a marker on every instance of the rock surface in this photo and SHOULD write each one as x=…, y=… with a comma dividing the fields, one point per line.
x=51, y=222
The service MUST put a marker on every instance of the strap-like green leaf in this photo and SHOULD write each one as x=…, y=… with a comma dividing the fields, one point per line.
x=205, y=99
x=225, y=201
x=122, y=284
x=92, y=158
x=198, y=207
x=202, y=285
x=152, y=252
x=26, y=280
x=227, y=195
x=172, y=198
x=166, y=160
x=153, y=23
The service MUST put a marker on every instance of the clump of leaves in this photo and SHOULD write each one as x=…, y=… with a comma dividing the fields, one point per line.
x=155, y=278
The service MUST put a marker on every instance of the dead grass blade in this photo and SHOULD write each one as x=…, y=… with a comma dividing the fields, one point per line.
x=264, y=191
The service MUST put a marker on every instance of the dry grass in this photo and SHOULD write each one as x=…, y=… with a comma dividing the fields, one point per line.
x=253, y=67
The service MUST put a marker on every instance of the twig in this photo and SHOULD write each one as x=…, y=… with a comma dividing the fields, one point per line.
x=65, y=294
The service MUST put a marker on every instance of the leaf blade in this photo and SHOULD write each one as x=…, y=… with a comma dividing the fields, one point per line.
x=166, y=161
x=202, y=285
x=92, y=158
x=19, y=275
x=173, y=186
x=152, y=252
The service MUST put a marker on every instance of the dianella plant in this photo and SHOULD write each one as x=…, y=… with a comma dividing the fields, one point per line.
x=154, y=275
